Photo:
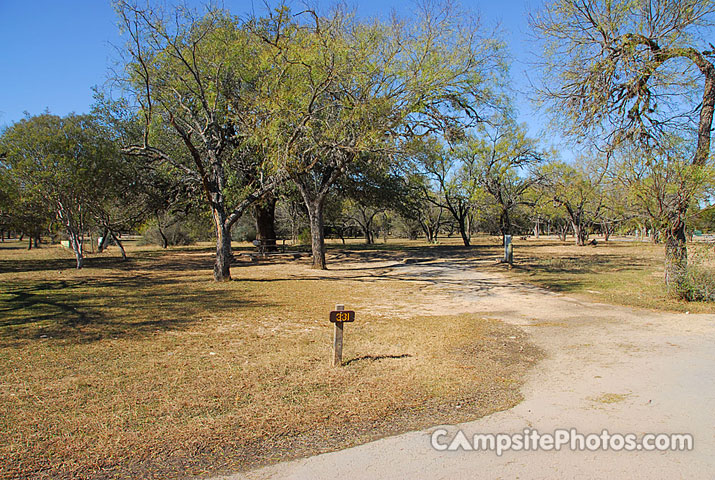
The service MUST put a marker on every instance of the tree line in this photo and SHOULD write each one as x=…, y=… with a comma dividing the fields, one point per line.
x=378, y=123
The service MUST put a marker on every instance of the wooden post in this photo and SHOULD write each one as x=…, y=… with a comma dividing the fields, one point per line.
x=338, y=340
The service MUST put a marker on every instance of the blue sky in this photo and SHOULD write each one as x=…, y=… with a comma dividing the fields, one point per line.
x=53, y=52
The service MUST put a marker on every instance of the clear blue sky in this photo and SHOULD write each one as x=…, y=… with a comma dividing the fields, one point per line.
x=53, y=51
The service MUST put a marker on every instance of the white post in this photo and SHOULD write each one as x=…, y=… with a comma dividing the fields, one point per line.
x=508, y=249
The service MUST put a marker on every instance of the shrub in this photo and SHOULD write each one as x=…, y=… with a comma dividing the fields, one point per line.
x=304, y=237
x=244, y=230
x=699, y=284
x=175, y=234
x=699, y=277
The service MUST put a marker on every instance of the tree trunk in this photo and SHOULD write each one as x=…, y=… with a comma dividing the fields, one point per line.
x=29, y=242
x=579, y=233
x=606, y=229
x=463, y=233
x=463, y=228
x=77, y=247
x=265, y=212
x=562, y=231
x=504, y=225
x=676, y=261
x=224, y=255
x=37, y=241
x=536, y=228
x=427, y=229
x=119, y=244
x=429, y=235
x=366, y=234
x=317, y=235
x=164, y=240
x=103, y=241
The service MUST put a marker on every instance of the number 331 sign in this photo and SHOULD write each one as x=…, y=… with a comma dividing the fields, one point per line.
x=342, y=316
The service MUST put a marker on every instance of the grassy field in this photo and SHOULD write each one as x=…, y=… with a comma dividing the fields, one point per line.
x=619, y=272
x=148, y=369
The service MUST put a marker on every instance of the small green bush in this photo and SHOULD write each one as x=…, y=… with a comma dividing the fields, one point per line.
x=176, y=235
x=699, y=284
x=304, y=237
x=699, y=277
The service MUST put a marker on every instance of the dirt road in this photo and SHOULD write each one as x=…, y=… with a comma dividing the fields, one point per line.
x=607, y=367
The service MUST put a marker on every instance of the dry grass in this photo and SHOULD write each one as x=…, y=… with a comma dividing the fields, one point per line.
x=149, y=369
x=608, y=398
x=621, y=272
x=618, y=272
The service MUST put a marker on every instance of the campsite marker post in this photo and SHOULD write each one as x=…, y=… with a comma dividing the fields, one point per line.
x=337, y=318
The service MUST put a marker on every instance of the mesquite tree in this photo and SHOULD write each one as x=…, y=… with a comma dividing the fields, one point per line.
x=454, y=177
x=634, y=71
x=659, y=180
x=66, y=164
x=358, y=89
x=196, y=80
x=505, y=159
x=577, y=189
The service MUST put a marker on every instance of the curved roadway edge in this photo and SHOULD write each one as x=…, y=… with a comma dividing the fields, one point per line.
x=607, y=367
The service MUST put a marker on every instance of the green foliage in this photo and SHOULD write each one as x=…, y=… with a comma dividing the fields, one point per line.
x=455, y=181
x=626, y=69
x=68, y=165
x=705, y=220
x=660, y=181
x=698, y=282
x=503, y=159
x=577, y=189
x=304, y=237
x=244, y=230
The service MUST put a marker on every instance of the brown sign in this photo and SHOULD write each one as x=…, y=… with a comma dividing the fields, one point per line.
x=342, y=316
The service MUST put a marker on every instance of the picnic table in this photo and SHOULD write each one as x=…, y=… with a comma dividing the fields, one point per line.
x=264, y=244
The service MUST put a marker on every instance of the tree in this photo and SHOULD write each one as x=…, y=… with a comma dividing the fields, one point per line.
x=635, y=71
x=20, y=210
x=137, y=190
x=67, y=163
x=419, y=204
x=369, y=189
x=455, y=178
x=616, y=206
x=577, y=189
x=7, y=197
x=359, y=89
x=504, y=156
x=660, y=180
x=197, y=81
